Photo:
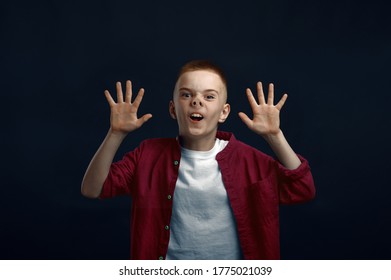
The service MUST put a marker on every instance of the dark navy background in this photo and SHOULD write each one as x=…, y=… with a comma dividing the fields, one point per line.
x=57, y=57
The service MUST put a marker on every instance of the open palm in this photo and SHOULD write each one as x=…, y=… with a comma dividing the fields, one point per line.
x=123, y=116
x=266, y=115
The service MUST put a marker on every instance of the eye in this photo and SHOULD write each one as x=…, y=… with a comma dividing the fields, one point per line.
x=210, y=97
x=185, y=94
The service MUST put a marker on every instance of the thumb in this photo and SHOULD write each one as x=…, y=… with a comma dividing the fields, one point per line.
x=146, y=117
x=245, y=119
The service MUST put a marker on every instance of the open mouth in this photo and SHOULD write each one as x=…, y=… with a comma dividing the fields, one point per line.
x=196, y=117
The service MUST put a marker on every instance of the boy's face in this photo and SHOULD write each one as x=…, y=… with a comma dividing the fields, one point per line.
x=199, y=104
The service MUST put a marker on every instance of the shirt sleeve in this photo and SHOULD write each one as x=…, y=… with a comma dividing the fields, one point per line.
x=119, y=180
x=295, y=185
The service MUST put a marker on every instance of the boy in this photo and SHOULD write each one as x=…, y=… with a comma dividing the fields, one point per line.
x=204, y=194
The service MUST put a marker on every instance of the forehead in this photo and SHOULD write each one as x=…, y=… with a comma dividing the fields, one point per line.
x=200, y=80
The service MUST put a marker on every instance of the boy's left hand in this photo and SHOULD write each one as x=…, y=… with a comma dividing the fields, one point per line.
x=266, y=115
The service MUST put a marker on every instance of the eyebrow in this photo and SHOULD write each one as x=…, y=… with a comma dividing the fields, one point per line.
x=207, y=90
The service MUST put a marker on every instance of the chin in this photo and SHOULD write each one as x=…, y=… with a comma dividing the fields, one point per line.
x=197, y=133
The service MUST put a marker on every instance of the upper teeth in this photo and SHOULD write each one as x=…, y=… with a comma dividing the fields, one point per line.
x=196, y=115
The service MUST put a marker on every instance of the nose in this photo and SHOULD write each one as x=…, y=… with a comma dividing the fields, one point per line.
x=196, y=101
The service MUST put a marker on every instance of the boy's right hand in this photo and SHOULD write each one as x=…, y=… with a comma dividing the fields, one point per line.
x=123, y=116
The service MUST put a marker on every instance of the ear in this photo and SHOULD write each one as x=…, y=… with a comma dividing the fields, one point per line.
x=224, y=113
x=171, y=110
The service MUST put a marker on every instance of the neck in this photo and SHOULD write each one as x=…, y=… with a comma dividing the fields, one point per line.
x=198, y=144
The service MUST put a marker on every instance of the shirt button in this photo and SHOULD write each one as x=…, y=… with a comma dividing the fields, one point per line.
x=161, y=258
x=176, y=162
x=166, y=227
x=169, y=196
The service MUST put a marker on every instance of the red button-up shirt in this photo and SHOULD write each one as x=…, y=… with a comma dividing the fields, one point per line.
x=255, y=184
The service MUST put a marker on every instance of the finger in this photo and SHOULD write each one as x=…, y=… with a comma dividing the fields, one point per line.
x=109, y=98
x=270, y=94
x=144, y=119
x=282, y=101
x=128, y=93
x=251, y=99
x=139, y=98
x=245, y=119
x=120, y=97
x=261, y=95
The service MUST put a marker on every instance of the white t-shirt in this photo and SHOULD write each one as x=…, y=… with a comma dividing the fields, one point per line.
x=202, y=223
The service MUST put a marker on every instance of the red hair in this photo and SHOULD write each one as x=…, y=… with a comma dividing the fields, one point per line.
x=207, y=65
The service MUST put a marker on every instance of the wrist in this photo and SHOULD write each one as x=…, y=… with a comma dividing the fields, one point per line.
x=118, y=135
x=273, y=138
